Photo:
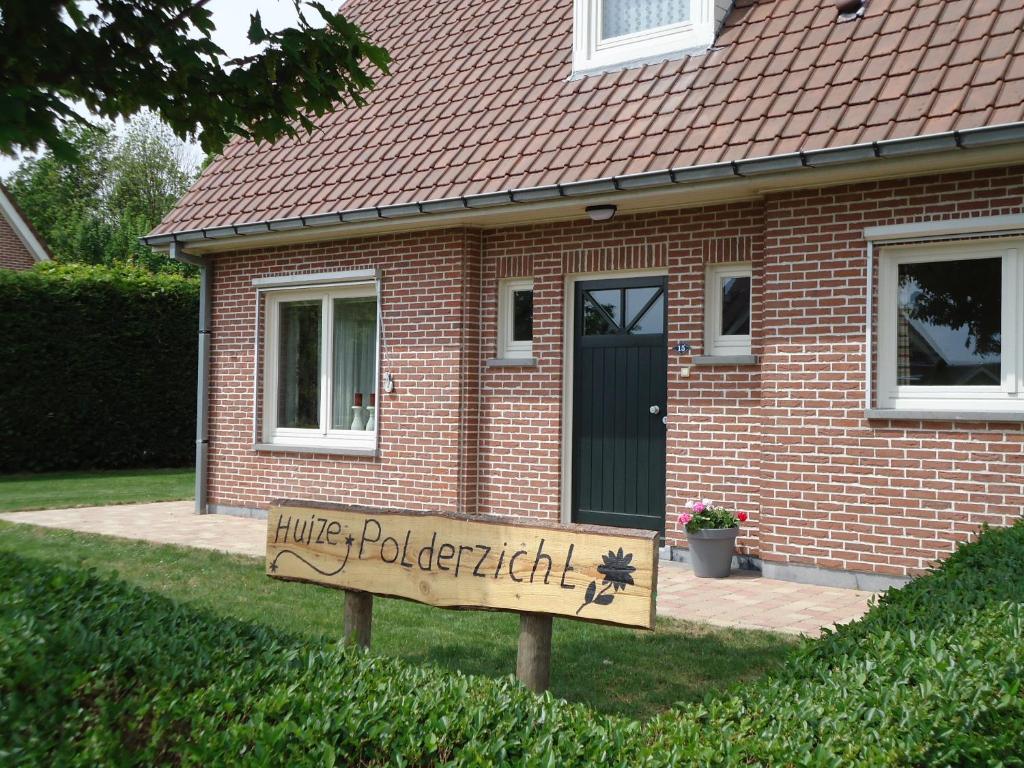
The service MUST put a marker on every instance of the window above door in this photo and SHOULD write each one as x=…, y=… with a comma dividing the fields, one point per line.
x=636, y=311
x=615, y=33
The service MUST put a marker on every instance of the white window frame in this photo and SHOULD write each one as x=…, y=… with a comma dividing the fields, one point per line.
x=591, y=53
x=1008, y=395
x=509, y=348
x=715, y=343
x=359, y=442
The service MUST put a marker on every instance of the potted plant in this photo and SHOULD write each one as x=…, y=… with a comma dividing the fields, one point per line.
x=711, y=533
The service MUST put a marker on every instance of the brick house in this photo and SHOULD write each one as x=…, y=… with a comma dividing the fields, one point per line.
x=586, y=260
x=20, y=245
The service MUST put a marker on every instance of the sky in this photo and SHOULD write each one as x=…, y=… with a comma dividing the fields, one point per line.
x=231, y=18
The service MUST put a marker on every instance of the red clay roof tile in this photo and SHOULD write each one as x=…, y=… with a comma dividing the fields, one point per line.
x=481, y=99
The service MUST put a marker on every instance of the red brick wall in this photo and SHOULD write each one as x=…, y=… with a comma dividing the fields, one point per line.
x=420, y=423
x=839, y=492
x=523, y=406
x=13, y=253
x=785, y=440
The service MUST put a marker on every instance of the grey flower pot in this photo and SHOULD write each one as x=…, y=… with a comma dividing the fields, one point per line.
x=711, y=551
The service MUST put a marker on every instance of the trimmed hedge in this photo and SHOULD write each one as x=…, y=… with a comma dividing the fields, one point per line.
x=98, y=367
x=94, y=672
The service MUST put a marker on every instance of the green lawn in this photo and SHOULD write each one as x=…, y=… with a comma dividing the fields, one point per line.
x=614, y=670
x=56, y=490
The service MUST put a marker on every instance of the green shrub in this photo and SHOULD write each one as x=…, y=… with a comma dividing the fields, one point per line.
x=94, y=672
x=98, y=368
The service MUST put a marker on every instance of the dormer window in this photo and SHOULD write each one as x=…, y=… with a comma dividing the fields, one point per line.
x=629, y=17
x=616, y=33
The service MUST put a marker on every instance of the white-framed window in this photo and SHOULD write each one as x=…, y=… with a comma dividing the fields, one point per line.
x=515, y=318
x=321, y=351
x=610, y=33
x=951, y=326
x=727, y=309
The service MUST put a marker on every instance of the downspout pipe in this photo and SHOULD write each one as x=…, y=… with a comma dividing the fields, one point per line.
x=203, y=377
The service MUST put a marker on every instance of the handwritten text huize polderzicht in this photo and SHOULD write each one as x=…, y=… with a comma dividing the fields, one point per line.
x=375, y=542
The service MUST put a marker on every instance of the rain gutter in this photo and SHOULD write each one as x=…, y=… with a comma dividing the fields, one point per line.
x=879, y=151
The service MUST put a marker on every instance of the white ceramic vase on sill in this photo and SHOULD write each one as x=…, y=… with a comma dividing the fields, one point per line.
x=357, y=418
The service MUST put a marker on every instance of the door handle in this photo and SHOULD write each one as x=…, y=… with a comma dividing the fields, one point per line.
x=655, y=409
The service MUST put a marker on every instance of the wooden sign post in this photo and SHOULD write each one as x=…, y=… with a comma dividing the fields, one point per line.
x=590, y=573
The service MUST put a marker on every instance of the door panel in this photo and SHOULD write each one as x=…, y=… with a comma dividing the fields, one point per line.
x=620, y=371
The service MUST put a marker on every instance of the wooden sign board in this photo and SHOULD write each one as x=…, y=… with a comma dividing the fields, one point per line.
x=607, y=575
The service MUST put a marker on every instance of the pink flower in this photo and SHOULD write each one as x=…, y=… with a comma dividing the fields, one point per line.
x=741, y=516
x=708, y=503
x=698, y=507
x=689, y=505
x=685, y=518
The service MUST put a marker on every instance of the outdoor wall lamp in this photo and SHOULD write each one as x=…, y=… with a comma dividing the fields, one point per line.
x=601, y=212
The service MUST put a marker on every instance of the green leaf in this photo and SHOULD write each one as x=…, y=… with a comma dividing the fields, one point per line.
x=120, y=60
x=256, y=32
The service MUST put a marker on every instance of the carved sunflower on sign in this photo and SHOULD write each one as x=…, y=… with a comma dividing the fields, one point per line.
x=618, y=574
x=616, y=569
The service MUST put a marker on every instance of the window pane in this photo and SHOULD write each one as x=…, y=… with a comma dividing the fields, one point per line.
x=597, y=322
x=736, y=306
x=949, y=323
x=610, y=301
x=625, y=17
x=298, y=379
x=636, y=300
x=522, y=316
x=653, y=320
x=354, y=362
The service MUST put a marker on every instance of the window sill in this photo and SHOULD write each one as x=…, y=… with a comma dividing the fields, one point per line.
x=329, y=449
x=725, y=360
x=511, y=362
x=891, y=414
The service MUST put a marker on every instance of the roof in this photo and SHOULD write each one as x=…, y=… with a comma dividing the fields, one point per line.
x=481, y=100
x=22, y=227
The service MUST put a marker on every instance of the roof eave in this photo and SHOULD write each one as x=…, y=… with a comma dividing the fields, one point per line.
x=23, y=228
x=894, y=149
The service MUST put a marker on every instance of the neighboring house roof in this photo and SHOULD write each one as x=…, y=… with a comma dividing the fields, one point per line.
x=953, y=346
x=482, y=100
x=949, y=345
x=22, y=227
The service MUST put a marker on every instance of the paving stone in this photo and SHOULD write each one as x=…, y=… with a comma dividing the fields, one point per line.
x=745, y=599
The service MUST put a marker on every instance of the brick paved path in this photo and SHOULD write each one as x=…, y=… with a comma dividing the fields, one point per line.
x=743, y=600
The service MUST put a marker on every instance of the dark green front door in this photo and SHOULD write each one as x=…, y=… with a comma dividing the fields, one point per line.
x=619, y=397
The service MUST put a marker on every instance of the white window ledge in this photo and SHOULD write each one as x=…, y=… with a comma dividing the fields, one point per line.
x=947, y=228
x=898, y=414
x=334, y=450
x=511, y=362
x=316, y=278
x=725, y=360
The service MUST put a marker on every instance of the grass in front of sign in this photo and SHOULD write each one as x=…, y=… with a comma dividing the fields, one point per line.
x=614, y=670
x=60, y=490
